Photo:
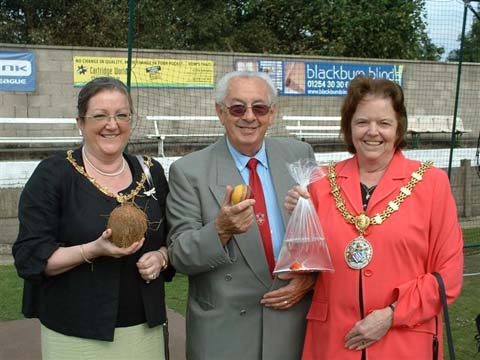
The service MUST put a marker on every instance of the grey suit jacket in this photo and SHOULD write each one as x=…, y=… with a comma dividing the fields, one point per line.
x=225, y=319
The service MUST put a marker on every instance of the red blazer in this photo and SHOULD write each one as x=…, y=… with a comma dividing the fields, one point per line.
x=422, y=237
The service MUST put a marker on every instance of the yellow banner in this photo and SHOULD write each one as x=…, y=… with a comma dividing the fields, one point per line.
x=152, y=73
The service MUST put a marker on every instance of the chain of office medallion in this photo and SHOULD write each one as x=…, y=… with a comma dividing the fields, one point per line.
x=121, y=198
x=394, y=205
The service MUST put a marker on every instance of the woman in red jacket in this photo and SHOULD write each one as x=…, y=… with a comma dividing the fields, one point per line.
x=389, y=223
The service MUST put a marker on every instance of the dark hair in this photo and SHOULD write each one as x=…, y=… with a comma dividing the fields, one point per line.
x=97, y=85
x=361, y=87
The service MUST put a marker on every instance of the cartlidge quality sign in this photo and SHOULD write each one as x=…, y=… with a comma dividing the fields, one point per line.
x=17, y=71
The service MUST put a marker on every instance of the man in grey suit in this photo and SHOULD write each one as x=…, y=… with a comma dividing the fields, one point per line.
x=236, y=308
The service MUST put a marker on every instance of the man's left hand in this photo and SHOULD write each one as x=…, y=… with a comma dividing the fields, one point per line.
x=290, y=294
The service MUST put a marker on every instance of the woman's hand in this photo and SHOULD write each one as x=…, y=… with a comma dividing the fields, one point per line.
x=370, y=329
x=292, y=197
x=66, y=258
x=104, y=247
x=152, y=263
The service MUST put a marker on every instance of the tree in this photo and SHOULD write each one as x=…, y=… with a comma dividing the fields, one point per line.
x=65, y=22
x=315, y=27
x=471, y=43
x=182, y=25
x=361, y=28
x=345, y=28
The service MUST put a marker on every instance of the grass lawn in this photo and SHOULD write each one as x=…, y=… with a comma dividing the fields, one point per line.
x=11, y=293
x=462, y=312
x=176, y=293
x=471, y=236
x=462, y=318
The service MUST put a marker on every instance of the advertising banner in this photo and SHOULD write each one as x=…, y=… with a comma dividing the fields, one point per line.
x=315, y=78
x=17, y=71
x=274, y=68
x=146, y=73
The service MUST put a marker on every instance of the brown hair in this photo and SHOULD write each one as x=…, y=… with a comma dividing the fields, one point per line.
x=97, y=85
x=361, y=87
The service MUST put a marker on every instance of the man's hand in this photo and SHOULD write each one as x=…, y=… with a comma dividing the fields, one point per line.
x=234, y=219
x=370, y=329
x=290, y=294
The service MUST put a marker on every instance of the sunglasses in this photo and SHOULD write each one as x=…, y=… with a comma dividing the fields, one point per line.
x=239, y=110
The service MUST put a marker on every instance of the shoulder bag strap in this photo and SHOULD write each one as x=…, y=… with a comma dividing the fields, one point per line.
x=443, y=298
x=146, y=170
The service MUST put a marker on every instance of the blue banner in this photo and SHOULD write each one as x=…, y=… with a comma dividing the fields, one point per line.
x=17, y=71
x=315, y=78
x=331, y=79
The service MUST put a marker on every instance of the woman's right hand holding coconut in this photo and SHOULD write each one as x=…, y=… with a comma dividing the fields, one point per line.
x=66, y=258
x=103, y=246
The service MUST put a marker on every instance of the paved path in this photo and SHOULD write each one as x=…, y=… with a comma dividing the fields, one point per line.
x=20, y=339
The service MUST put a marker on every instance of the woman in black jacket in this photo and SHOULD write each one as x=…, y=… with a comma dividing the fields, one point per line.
x=94, y=299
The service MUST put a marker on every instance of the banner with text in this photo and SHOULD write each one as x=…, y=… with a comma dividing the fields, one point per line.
x=146, y=73
x=315, y=78
x=274, y=68
x=17, y=71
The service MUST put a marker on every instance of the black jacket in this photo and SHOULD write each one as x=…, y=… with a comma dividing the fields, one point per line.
x=61, y=207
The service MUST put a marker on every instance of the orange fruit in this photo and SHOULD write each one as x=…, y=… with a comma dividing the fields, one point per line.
x=240, y=192
x=296, y=266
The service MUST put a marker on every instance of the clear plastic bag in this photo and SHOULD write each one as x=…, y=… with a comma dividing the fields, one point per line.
x=304, y=247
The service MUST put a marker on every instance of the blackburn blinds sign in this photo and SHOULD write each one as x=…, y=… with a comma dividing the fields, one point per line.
x=17, y=71
x=316, y=78
x=331, y=79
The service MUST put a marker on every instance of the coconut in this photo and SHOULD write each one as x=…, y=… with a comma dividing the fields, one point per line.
x=128, y=224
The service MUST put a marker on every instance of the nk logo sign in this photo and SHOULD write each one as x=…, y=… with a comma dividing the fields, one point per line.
x=17, y=71
x=15, y=68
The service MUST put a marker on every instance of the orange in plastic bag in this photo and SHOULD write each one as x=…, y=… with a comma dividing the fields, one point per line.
x=304, y=247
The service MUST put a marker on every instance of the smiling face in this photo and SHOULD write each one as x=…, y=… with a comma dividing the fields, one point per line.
x=106, y=139
x=246, y=132
x=374, y=130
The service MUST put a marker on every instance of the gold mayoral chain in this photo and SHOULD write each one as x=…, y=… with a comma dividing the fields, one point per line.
x=359, y=251
x=121, y=198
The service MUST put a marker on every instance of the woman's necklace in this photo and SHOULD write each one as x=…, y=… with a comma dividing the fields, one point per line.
x=368, y=190
x=366, y=194
x=359, y=251
x=120, y=197
x=112, y=174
